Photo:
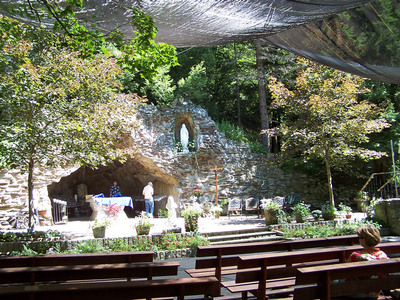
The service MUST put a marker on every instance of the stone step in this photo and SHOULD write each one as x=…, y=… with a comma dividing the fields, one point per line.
x=258, y=234
x=240, y=236
x=237, y=231
x=269, y=238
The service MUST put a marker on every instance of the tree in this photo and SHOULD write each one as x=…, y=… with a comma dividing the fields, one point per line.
x=140, y=55
x=262, y=95
x=55, y=106
x=324, y=119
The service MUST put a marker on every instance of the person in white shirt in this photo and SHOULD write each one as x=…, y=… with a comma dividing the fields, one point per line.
x=148, y=192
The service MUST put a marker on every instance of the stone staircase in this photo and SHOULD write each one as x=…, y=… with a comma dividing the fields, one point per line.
x=243, y=236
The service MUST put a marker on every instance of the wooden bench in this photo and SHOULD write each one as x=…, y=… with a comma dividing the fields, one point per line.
x=177, y=287
x=276, y=271
x=223, y=259
x=319, y=282
x=76, y=259
x=67, y=274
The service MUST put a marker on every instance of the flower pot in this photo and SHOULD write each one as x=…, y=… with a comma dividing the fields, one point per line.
x=299, y=218
x=348, y=216
x=143, y=230
x=42, y=213
x=99, y=232
x=191, y=224
x=271, y=217
x=328, y=216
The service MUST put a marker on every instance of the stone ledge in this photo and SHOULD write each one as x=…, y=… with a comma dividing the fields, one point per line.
x=63, y=245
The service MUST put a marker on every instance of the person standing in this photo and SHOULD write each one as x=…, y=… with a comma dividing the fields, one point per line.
x=148, y=192
x=115, y=191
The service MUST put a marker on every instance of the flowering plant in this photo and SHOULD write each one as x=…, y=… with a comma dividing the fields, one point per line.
x=114, y=209
x=192, y=211
x=361, y=197
x=100, y=223
x=197, y=191
x=144, y=224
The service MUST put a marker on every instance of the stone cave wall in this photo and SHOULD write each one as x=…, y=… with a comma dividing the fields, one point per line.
x=156, y=158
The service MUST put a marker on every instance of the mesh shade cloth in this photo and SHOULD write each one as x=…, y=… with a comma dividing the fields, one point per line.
x=325, y=30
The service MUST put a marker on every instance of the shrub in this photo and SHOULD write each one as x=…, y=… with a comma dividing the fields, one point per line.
x=92, y=246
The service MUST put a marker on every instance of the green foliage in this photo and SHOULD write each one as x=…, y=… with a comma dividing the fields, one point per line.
x=144, y=243
x=271, y=205
x=232, y=131
x=99, y=223
x=28, y=251
x=7, y=236
x=323, y=118
x=120, y=245
x=163, y=213
x=160, y=87
x=378, y=36
x=141, y=55
x=302, y=209
x=325, y=230
x=329, y=211
x=317, y=214
x=193, y=87
x=55, y=105
x=92, y=246
x=344, y=209
x=143, y=223
x=192, y=211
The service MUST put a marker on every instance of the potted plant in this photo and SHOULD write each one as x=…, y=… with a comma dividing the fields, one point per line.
x=345, y=210
x=223, y=203
x=272, y=212
x=197, y=192
x=301, y=212
x=42, y=208
x=328, y=211
x=143, y=226
x=362, y=200
x=191, y=215
x=99, y=227
x=317, y=214
x=216, y=210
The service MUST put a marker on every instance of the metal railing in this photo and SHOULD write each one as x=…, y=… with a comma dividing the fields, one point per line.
x=382, y=185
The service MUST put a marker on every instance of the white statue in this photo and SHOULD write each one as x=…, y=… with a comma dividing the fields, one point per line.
x=184, y=139
x=171, y=207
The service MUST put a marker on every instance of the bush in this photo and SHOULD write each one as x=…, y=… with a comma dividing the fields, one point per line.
x=325, y=230
x=92, y=246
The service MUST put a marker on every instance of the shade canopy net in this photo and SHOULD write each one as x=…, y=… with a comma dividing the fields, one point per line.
x=341, y=33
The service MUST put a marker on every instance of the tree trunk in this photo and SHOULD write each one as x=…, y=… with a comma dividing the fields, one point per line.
x=262, y=95
x=239, y=113
x=30, y=194
x=330, y=184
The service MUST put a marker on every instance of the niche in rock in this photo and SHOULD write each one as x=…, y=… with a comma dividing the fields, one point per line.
x=131, y=177
x=184, y=123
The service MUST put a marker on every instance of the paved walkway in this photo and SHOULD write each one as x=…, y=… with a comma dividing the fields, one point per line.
x=79, y=228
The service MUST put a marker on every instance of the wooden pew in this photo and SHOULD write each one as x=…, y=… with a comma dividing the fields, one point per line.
x=76, y=259
x=177, y=287
x=276, y=271
x=69, y=274
x=326, y=282
x=223, y=259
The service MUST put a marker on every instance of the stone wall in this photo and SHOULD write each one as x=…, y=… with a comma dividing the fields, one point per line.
x=157, y=159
